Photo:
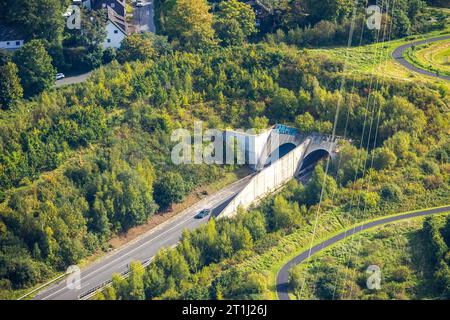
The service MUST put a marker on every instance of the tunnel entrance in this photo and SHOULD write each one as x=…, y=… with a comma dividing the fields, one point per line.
x=280, y=152
x=313, y=158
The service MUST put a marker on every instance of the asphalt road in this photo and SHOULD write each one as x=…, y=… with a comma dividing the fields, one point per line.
x=143, y=17
x=283, y=274
x=72, y=80
x=145, y=247
x=398, y=55
x=143, y=20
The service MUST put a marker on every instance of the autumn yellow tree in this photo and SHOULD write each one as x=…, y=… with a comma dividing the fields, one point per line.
x=190, y=23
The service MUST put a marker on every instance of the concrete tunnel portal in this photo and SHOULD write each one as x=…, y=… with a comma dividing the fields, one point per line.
x=279, y=153
x=313, y=158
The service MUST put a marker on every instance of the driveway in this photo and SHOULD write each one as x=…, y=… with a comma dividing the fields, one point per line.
x=283, y=274
x=398, y=55
x=72, y=80
x=143, y=17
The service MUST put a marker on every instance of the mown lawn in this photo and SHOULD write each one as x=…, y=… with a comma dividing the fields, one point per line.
x=432, y=57
x=376, y=60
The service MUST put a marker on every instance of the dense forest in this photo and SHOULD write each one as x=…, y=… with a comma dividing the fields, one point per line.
x=82, y=163
x=406, y=167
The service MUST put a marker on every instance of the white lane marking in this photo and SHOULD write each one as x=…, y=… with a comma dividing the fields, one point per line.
x=214, y=201
x=144, y=244
x=63, y=288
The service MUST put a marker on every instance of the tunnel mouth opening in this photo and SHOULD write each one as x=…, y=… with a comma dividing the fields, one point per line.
x=313, y=158
x=279, y=153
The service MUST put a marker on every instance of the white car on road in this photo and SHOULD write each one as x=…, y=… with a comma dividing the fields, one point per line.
x=60, y=76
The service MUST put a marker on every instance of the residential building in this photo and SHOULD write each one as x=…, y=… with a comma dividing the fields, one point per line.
x=116, y=29
x=10, y=39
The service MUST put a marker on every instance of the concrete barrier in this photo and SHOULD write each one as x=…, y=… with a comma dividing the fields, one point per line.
x=268, y=180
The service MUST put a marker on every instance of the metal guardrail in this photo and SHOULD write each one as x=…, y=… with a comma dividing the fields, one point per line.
x=91, y=292
x=43, y=286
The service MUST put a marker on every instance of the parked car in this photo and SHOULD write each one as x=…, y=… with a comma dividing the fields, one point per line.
x=204, y=213
x=139, y=3
x=60, y=76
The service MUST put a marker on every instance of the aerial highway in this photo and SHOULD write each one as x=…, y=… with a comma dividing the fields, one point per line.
x=283, y=274
x=143, y=248
x=398, y=55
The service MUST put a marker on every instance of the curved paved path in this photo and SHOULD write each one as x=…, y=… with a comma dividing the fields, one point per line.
x=398, y=55
x=283, y=274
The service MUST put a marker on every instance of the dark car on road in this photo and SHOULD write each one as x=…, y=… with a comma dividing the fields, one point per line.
x=202, y=214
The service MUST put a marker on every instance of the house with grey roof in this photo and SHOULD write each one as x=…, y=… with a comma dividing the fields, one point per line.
x=116, y=29
x=116, y=26
x=10, y=39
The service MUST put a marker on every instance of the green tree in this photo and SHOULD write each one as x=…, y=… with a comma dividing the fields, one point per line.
x=10, y=88
x=399, y=143
x=328, y=10
x=171, y=188
x=320, y=187
x=296, y=280
x=305, y=122
x=285, y=214
x=37, y=19
x=166, y=272
x=235, y=22
x=391, y=192
x=109, y=293
x=383, y=158
x=402, y=116
x=401, y=24
x=120, y=285
x=136, y=47
x=136, y=282
x=253, y=285
x=190, y=253
x=259, y=123
x=190, y=22
x=124, y=196
x=284, y=105
x=93, y=31
x=255, y=222
x=35, y=67
x=349, y=165
x=230, y=32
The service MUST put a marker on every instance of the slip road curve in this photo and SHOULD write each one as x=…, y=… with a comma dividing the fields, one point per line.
x=283, y=274
x=398, y=55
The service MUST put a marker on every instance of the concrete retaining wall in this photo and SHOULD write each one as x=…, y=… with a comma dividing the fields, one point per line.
x=249, y=144
x=268, y=180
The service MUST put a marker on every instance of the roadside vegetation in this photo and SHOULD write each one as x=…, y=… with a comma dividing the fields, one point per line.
x=432, y=57
x=403, y=172
x=81, y=164
x=411, y=255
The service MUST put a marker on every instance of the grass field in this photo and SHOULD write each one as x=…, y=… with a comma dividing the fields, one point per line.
x=376, y=60
x=432, y=57
x=398, y=249
x=330, y=222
